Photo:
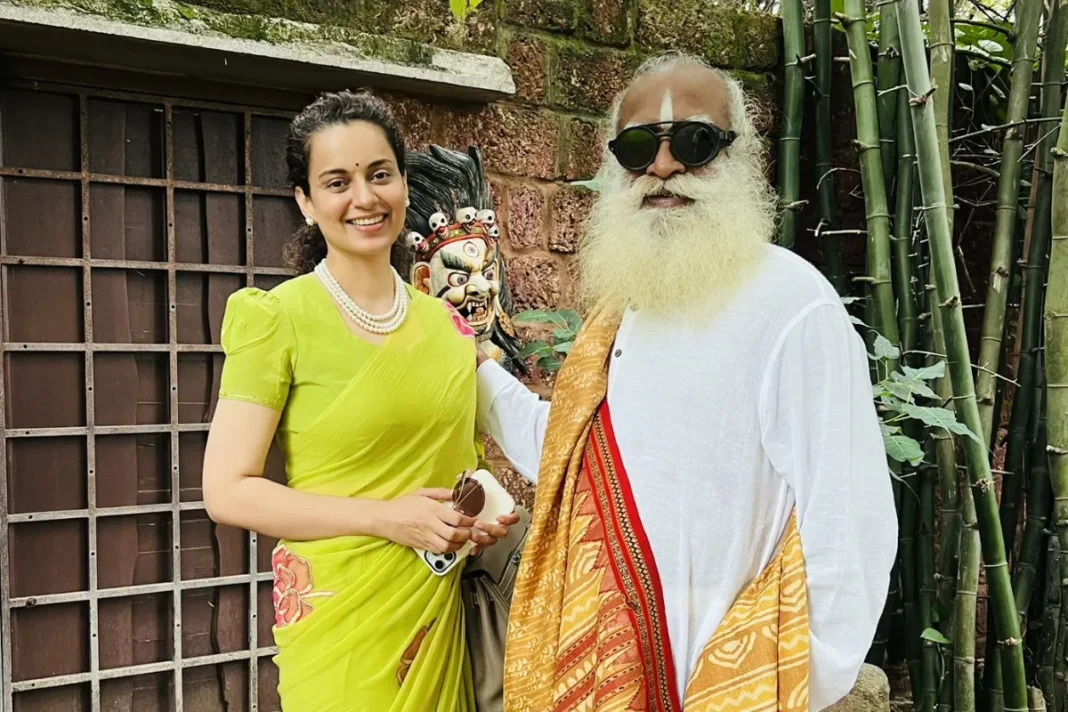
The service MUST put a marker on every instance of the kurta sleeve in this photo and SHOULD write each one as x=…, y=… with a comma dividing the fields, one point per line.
x=259, y=343
x=514, y=416
x=821, y=432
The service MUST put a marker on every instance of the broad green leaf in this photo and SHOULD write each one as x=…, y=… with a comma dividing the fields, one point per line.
x=888, y=430
x=884, y=349
x=534, y=348
x=563, y=335
x=574, y=321
x=909, y=388
x=903, y=448
x=187, y=12
x=534, y=316
x=991, y=46
x=857, y=322
x=907, y=391
x=935, y=637
x=850, y=300
x=564, y=348
x=939, y=418
x=549, y=364
x=927, y=373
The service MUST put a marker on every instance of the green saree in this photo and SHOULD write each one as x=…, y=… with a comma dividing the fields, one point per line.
x=360, y=623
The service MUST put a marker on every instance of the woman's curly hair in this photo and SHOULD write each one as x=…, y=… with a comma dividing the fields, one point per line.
x=307, y=247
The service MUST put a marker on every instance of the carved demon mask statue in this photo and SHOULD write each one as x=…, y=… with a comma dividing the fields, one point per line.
x=451, y=250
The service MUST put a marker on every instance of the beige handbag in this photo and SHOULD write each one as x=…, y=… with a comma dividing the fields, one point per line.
x=486, y=588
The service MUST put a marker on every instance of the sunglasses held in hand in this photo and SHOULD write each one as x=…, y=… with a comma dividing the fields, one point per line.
x=692, y=143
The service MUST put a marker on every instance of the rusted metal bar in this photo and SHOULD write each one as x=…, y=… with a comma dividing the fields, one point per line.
x=253, y=564
x=146, y=669
x=140, y=181
x=90, y=401
x=140, y=98
x=29, y=261
x=172, y=323
x=7, y=701
x=51, y=347
x=106, y=430
x=146, y=589
x=126, y=511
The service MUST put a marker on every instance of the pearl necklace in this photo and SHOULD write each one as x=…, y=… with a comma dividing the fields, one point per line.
x=374, y=323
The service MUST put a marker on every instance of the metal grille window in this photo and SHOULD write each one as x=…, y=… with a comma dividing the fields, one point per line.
x=125, y=222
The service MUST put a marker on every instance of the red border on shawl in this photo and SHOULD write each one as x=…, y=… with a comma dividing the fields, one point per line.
x=654, y=608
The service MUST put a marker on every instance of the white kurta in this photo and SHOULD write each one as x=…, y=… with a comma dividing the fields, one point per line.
x=723, y=429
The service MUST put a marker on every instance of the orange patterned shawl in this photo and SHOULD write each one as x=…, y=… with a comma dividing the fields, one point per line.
x=587, y=554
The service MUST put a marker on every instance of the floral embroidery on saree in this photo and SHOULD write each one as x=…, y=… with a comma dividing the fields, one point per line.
x=410, y=653
x=293, y=586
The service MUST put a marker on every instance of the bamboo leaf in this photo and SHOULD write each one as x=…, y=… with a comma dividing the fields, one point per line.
x=934, y=636
x=884, y=349
x=903, y=448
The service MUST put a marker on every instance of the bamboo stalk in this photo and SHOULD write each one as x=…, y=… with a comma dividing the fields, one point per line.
x=871, y=174
x=1028, y=17
x=1028, y=372
x=1038, y=507
x=907, y=321
x=1057, y=359
x=1051, y=620
x=943, y=265
x=833, y=262
x=888, y=76
x=790, y=135
x=925, y=559
x=910, y=508
x=940, y=27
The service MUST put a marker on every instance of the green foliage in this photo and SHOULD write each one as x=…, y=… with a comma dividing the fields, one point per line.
x=934, y=636
x=462, y=8
x=895, y=395
x=550, y=353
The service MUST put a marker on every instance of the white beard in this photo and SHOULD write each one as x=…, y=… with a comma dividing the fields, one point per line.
x=682, y=260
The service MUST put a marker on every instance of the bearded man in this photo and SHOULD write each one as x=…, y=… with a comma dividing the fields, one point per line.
x=714, y=524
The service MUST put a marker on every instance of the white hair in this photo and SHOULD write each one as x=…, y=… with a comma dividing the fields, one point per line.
x=741, y=108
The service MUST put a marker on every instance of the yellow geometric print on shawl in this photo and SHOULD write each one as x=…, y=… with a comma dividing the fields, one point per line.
x=759, y=656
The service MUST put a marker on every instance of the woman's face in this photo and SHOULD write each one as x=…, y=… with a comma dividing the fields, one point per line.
x=357, y=194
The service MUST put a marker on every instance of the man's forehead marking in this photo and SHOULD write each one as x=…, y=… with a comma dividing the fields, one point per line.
x=667, y=112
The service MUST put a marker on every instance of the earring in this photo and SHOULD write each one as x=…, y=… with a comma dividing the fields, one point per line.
x=407, y=202
x=309, y=221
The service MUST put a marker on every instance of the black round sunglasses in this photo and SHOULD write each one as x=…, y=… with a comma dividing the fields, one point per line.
x=692, y=143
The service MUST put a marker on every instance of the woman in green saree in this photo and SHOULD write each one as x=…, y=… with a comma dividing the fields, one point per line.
x=369, y=387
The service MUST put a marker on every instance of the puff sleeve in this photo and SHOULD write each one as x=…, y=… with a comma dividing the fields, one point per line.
x=260, y=345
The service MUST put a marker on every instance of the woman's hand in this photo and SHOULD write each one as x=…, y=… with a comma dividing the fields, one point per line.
x=420, y=520
x=486, y=535
x=480, y=356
